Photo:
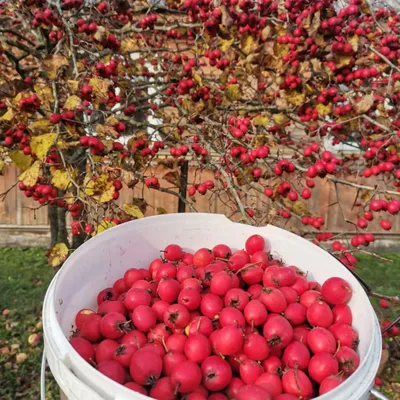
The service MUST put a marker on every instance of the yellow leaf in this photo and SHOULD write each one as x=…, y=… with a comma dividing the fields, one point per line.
x=20, y=160
x=72, y=103
x=280, y=119
x=40, y=125
x=69, y=197
x=365, y=8
x=110, y=121
x=128, y=45
x=103, y=226
x=100, y=87
x=45, y=94
x=53, y=63
x=198, y=108
x=287, y=203
x=161, y=211
x=133, y=211
x=316, y=64
x=324, y=110
x=100, y=188
x=305, y=71
x=41, y=144
x=57, y=254
x=309, y=89
x=17, y=98
x=226, y=45
x=187, y=105
x=81, y=66
x=232, y=92
x=354, y=43
x=100, y=33
x=261, y=120
x=315, y=23
x=73, y=85
x=31, y=175
x=319, y=40
x=364, y=104
x=266, y=32
x=198, y=79
x=2, y=167
x=129, y=178
x=72, y=131
x=281, y=103
x=60, y=179
x=366, y=196
x=295, y=97
x=282, y=50
x=342, y=61
x=8, y=116
x=104, y=130
x=249, y=45
x=299, y=208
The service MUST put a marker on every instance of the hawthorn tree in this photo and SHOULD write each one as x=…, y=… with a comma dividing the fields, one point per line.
x=93, y=92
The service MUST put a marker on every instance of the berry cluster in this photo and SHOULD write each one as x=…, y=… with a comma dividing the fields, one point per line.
x=28, y=103
x=152, y=182
x=41, y=193
x=71, y=4
x=148, y=21
x=291, y=82
x=45, y=17
x=107, y=70
x=95, y=144
x=219, y=324
x=18, y=136
x=179, y=151
x=67, y=117
x=85, y=26
x=201, y=188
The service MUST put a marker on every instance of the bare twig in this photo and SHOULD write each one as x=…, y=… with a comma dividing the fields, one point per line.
x=391, y=325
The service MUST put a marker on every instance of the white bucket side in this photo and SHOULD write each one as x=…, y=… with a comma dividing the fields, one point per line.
x=105, y=258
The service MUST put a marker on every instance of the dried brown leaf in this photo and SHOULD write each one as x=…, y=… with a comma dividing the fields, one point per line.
x=12, y=88
x=173, y=177
x=364, y=104
x=53, y=63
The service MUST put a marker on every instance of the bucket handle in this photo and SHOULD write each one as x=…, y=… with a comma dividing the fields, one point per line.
x=84, y=392
x=378, y=395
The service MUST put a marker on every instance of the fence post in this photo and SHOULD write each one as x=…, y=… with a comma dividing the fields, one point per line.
x=182, y=191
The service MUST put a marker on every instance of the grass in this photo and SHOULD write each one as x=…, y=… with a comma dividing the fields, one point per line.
x=25, y=275
x=384, y=278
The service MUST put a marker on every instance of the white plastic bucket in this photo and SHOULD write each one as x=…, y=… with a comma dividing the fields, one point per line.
x=105, y=258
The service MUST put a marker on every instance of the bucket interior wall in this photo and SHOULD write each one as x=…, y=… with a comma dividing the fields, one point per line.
x=101, y=261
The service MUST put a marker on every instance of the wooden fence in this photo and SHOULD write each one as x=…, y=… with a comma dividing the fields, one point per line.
x=17, y=210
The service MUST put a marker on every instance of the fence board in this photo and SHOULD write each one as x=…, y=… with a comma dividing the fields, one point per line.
x=16, y=209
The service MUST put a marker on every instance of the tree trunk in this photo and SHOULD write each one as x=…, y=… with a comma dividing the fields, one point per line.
x=52, y=213
x=62, y=236
x=58, y=224
x=183, y=189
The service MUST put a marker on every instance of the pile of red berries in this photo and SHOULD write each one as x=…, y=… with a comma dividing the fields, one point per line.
x=218, y=324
